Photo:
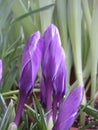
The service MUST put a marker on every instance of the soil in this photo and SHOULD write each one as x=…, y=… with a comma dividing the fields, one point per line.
x=89, y=120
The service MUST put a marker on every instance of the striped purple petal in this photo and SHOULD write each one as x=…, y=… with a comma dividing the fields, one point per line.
x=59, y=83
x=69, y=109
x=52, y=52
x=31, y=60
x=59, y=86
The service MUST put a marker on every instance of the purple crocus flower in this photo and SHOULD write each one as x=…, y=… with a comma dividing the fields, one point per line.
x=1, y=70
x=69, y=109
x=31, y=60
x=53, y=83
x=53, y=69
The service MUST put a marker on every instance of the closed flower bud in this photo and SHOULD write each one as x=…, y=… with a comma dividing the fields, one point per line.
x=53, y=69
x=31, y=60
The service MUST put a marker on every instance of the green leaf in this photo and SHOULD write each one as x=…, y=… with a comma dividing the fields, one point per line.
x=61, y=13
x=90, y=111
x=89, y=125
x=21, y=126
x=46, y=21
x=41, y=123
x=32, y=12
x=31, y=112
x=8, y=116
x=94, y=49
x=10, y=79
x=2, y=103
x=5, y=10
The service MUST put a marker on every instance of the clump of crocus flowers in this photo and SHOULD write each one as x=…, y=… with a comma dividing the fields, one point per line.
x=46, y=50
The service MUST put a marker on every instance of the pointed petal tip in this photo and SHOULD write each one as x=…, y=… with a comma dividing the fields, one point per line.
x=52, y=31
x=52, y=50
x=37, y=34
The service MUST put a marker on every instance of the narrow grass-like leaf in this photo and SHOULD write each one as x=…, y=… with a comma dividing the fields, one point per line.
x=91, y=4
x=26, y=23
x=94, y=49
x=31, y=112
x=74, y=24
x=69, y=63
x=5, y=10
x=32, y=12
x=2, y=103
x=87, y=69
x=89, y=125
x=36, y=16
x=61, y=9
x=21, y=126
x=42, y=123
x=85, y=43
x=46, y=21
x=8, y=116
x=25, y=119
x=9, y=80
x=87, y=15
x=90, y=111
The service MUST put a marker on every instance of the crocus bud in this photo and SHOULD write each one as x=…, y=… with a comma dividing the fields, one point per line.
x=53, y=68
x=31, y=60
x=52, y=52
x=69, y=109
x=1, y=70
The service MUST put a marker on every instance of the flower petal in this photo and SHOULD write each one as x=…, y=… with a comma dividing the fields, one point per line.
x=31, y=62
x=69, y=109
x=59, y=87
x=52, y=52
x=59, y=83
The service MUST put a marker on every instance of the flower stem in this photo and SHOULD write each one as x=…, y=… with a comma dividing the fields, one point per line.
x=48, y=100
x=20, y=108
